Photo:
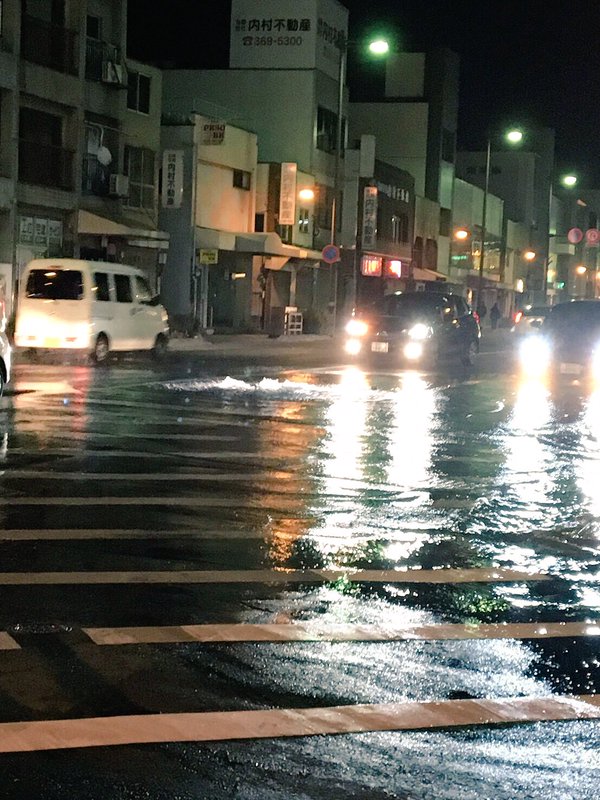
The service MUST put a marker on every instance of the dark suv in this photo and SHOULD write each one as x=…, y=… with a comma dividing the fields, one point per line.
x=415, y=327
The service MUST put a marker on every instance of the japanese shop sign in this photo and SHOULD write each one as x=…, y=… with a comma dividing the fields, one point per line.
x=287, y=194
x=287, y=34
x=369, y=224
x=212, y=133
x=172, y=182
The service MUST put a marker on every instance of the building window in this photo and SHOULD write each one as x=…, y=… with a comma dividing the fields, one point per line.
x=259, y=223
x=93, y=27
x=303, y=220
x=138, y=92
x=327, y=130
x=241, y=179
x=139, y=167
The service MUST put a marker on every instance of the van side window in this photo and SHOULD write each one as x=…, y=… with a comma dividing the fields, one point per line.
x=101, y=291
x=142, y=290
x=123, y=287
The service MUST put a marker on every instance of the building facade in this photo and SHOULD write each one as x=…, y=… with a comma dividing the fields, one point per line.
x=71, y=180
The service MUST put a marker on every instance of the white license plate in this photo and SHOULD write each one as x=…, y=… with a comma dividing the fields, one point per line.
x=379, y=347
x=570, y=369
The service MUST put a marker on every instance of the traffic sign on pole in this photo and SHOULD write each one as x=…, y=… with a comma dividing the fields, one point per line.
x=330, y=253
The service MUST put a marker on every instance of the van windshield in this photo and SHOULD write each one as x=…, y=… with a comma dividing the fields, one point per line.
x=54, y=284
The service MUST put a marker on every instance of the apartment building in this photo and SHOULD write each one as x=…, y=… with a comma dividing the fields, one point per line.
x=79, y=138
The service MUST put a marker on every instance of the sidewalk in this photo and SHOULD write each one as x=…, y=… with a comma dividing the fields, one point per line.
x=261, y=344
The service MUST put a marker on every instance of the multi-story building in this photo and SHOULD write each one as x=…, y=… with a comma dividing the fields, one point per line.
x=79, y=137
x=283, y=84
x=415, y=127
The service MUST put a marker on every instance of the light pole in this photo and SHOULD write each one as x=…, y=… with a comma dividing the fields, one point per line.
x=378, y=47
x=513, y=136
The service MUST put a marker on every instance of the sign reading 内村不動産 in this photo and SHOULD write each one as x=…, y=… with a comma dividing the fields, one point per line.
x=287, y=34
x=172, y=184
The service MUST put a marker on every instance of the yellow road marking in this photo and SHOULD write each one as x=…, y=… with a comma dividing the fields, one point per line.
x=227, y=725
x=7, y=642
x=315, y=632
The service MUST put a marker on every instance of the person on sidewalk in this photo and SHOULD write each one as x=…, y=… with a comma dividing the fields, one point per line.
x=495, y=316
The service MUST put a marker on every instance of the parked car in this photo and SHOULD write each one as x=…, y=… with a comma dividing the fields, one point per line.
x=88, y=306
x=568, y=342
x=417, y=328
x=529, y=320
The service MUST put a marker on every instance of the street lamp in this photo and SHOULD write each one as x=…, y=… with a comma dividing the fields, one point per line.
x=377, y=47
x=514, y=136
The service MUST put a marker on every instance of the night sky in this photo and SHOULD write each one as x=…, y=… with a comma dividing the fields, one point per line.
x=521, y=62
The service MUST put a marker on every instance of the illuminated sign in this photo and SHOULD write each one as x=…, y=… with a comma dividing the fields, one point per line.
x=371, y=265
x=396, y=268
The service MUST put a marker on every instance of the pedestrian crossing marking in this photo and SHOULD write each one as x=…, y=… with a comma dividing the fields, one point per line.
x=315, y=632
x=218, y=726
x=7, y=642
x=490, y=575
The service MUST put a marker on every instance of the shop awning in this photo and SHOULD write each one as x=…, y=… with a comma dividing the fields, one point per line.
x=95, y=225
x=267, y=244
x=420, y=274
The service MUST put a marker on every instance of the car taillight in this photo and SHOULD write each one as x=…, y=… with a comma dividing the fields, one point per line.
x=518, y=317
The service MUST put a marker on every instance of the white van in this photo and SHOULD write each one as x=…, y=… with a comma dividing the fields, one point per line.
x=90, y=306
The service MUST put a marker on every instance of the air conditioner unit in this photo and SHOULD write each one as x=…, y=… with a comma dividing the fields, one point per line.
x=119, y=185
x=113, y=72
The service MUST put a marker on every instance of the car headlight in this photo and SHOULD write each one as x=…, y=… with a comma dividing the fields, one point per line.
x=353, y=347
x=534, y=355
x=419, y=332
x=356, y=327
x=413, y=351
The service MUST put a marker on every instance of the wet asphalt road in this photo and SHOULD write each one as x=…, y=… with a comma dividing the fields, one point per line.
x=291, y=460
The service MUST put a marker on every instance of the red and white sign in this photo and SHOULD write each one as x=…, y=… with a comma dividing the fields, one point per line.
x=371, y=266
x=575, y=235
x=592, y=237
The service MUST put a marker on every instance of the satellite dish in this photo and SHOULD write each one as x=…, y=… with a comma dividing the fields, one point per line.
x=104, y=156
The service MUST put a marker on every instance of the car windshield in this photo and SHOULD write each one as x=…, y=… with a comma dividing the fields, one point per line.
x=54, y=284
x=410, y=305
x=573, y=317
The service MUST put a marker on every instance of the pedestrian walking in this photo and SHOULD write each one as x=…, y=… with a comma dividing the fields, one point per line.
x=495, y=315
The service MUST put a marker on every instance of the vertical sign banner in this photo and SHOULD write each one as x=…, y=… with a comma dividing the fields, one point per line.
x=369, y=224
x=172, y=183
x=287, y=193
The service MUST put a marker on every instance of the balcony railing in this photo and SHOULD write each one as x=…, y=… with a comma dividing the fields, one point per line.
x=45, y=165
x=49, y=45
x=103, y=62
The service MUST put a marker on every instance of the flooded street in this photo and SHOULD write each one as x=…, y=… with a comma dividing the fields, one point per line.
x=393, y=576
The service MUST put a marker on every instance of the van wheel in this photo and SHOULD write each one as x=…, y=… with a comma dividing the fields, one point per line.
x=101, y=349
x=160, y=347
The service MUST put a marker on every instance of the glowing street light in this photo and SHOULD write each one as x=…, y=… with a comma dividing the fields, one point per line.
x=581, y=269
x=306, y=194
x=378, y=47
x=513, y=136
x=569, y=180
x=529, y=255
x=461, y=234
